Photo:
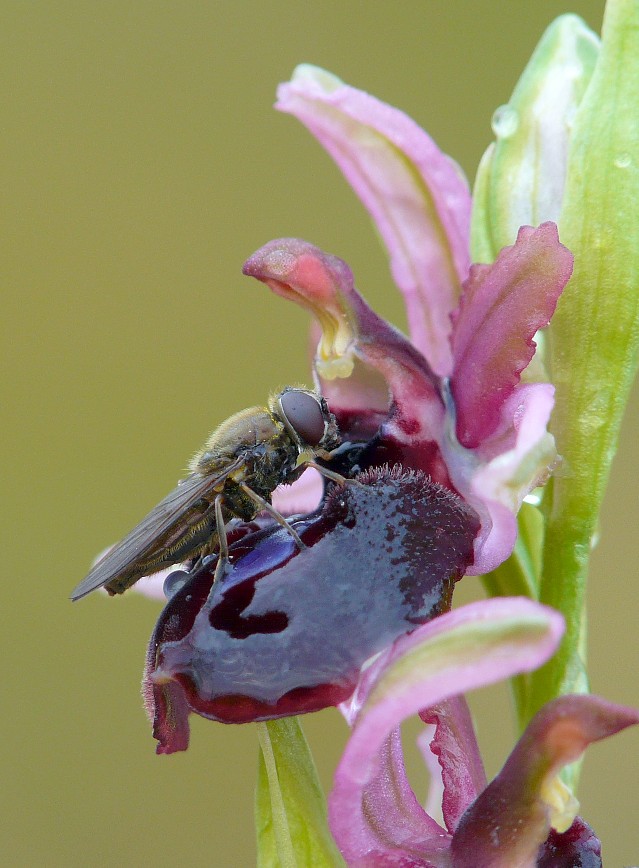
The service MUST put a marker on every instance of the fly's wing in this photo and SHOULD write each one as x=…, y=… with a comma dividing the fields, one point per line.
x=143, y=539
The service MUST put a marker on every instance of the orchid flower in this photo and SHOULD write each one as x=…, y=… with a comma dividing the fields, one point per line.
x=374, y=814
x=250, y=647
x=445, y=433
x=418, y=203
x=459, y=413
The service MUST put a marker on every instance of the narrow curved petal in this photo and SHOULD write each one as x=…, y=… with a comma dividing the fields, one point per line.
x=398, y=817
x=455, y=746
x=502, y=307
x=323, y=284
x=416, y=195
x=512, y=818
x=459, y=651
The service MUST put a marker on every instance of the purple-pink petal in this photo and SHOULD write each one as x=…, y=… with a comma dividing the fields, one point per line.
x=578, y=847
x=512, y=818
x=393, y=828
x=518, y=457
x=502, y=307
x=353, y=332
x=416, y=195
x=393, y=688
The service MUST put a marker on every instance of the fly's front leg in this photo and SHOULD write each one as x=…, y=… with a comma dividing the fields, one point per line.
x=330, y=474
x=267, y=507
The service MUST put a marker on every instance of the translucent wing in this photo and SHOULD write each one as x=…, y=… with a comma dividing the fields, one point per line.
x=147, y=538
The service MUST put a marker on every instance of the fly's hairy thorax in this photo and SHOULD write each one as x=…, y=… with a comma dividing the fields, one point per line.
x=268, y=453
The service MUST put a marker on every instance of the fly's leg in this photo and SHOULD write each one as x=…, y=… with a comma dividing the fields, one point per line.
x=330, y=474
x=223, y=555
x=267, y=507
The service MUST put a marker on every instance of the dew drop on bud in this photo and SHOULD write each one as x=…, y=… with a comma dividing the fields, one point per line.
x=623, y=161
x=505, y=121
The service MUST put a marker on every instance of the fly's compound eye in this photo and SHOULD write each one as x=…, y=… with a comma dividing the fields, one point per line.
x=302, y=412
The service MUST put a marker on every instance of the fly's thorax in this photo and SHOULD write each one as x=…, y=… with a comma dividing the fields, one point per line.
x=270, y=464
x=243, y=431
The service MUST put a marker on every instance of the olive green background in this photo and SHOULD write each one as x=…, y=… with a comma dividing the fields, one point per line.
x=142, y=163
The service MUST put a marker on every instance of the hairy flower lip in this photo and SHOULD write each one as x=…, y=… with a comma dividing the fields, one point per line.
x=288, y=631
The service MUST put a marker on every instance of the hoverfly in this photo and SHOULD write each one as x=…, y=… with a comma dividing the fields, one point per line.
x=233, y=475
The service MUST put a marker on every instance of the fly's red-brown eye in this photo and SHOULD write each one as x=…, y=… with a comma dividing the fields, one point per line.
x=302, y=411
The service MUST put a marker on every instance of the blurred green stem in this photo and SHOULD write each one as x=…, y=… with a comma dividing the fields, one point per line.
x=594, y=334
x=281, y=828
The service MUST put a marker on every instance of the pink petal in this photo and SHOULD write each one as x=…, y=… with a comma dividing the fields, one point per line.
x=511, y=819
x=393, y=810
x=518, y=457
x=415, y=194
x=303, y=496
x=468, y=648
x=502, y=307
x=454, y=743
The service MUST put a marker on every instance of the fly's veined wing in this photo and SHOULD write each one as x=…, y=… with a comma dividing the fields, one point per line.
x=142, y=541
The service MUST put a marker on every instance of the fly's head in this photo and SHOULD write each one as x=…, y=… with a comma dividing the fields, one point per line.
x=308, y=421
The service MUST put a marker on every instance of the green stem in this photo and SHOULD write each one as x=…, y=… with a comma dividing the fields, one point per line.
x=594, y=334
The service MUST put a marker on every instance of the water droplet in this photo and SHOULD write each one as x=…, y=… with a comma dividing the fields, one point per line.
x=174, y=582
x=505, y=121
x=623, y=161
